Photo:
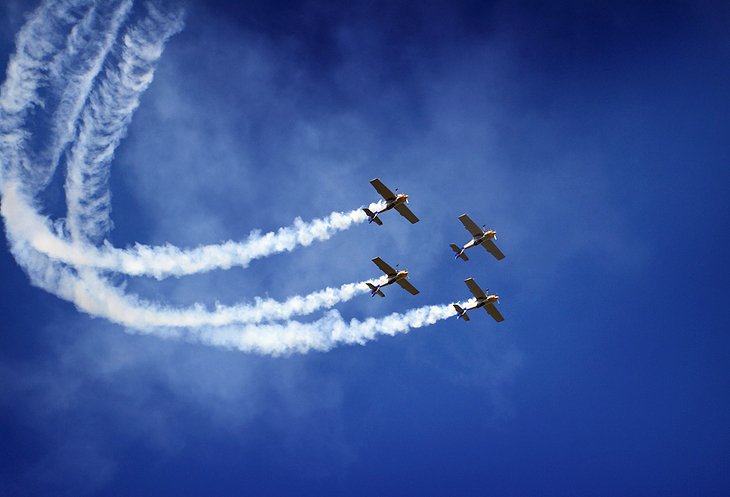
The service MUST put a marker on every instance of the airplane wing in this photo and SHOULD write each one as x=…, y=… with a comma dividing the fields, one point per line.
x=404, y=211
x=384, y=267
x=470, y=225
x=407, y=286
x=383, y=190
x=474, y=288
x=494, y=312
x=492, y=249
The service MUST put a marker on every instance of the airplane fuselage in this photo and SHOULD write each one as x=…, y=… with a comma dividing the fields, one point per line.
x=477, y=240
x=400, y=275
x=490, y=299
x=389, y=280
x=401, y=198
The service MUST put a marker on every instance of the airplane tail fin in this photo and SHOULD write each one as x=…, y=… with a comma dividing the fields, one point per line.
x=459, y=252
x=372, y=217
x=462, y=313
x=375, y=290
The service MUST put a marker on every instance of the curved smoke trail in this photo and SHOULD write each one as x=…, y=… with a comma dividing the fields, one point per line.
x=166, y=260
x=62, y=258
x=74, y=70
x=105, y=120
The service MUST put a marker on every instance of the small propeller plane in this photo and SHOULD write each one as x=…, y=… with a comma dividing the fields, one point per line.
x=483, y=300
x=393, y=277
x=480, y=236
x=392, y=201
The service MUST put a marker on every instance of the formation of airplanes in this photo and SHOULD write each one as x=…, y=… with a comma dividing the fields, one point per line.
x=480, y=236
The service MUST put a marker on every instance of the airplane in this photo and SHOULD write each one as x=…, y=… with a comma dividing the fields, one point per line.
x=479, y=237
x=483, y=300
x=393, y=277
x=392, y=201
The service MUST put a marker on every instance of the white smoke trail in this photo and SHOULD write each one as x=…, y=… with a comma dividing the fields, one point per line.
x=105, y=120
x=94, y=296
x=38, y=41
x=74, y=70
x=321, y=335
x=238, y=327
x=162, y=261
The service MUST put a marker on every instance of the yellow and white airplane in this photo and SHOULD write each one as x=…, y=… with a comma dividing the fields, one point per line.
x=483, y=300
x=393, y=276
x=392, y=201
x=479, y=237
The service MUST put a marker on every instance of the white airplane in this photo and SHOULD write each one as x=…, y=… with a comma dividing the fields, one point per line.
x=483, y=300
x=393, y=277
x=392, y=201
x=479, y=237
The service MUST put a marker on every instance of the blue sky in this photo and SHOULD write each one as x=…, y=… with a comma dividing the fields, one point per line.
x=591, y=136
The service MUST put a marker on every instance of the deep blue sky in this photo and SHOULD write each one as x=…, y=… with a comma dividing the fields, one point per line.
x=592, y=136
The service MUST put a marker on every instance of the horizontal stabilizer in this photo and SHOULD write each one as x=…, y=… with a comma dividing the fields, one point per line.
x=375, y=290
x=461, y=255
x=461, y=313
x=372, y=218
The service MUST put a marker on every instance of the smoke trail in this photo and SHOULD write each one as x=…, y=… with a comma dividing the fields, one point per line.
x=240, y=327
x=38, y=40
x=94, y=296
x=322, y=335
x=105, y=120
x=74, y=70
x=23, y=220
